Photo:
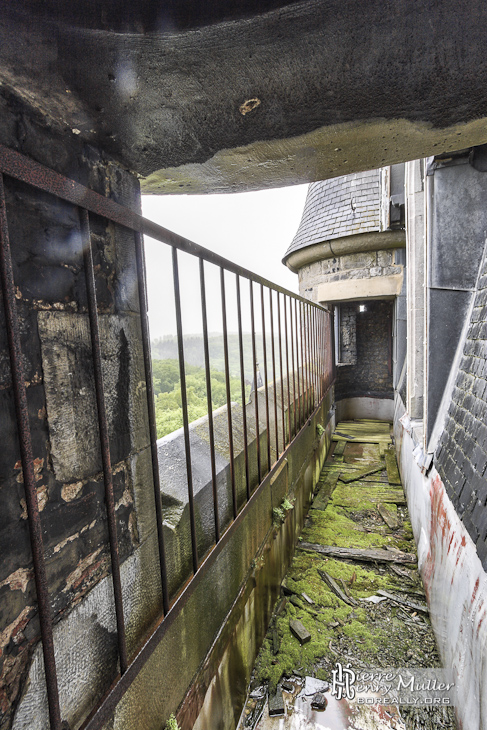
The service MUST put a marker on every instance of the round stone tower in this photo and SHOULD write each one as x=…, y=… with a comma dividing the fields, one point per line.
x=349, y=253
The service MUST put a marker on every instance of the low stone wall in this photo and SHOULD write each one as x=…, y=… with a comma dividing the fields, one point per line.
x=173, y=475
x=85, y=640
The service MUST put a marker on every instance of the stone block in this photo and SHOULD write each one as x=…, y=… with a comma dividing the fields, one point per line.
x=70, y=396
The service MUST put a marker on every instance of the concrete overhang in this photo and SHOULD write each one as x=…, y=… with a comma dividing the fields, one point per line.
x=204, y=97
x=349, y=290
x=358, y=243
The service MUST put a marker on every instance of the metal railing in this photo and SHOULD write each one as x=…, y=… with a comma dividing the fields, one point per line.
x=299, y=361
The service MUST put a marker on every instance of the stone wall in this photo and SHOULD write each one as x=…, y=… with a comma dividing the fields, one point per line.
x=52, y=307
x=363, y=265
x=371, y=375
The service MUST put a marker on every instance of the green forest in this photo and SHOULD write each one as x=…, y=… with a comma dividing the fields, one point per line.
x=167, y=393
x=166, y=348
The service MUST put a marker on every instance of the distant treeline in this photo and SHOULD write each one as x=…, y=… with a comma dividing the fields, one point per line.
x=167, y=392
x=166, y=348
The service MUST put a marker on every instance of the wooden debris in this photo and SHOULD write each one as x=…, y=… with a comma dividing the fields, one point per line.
x=361, y=473
x=401, y=573
x=308, y=599
x=403, y=601
x=340, y=448
x=391, y=466
x=390, y=520
x=370, y=555
x=276, y=704
x=345, y=589
x=333, y=586
x=300, y=632
x=275, y=641
x=369, y=493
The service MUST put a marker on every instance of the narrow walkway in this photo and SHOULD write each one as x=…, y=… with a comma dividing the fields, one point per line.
x=352, y=596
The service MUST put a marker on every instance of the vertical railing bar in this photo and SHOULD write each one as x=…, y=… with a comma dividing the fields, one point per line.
x=184, y=407
x=256, y=391
x=311, y=357
x=280, y=367
x=315, y=368
x=144, y=321
x=104, y=437
x=276, y=423
x=318, y=344
x=287, y=371
x=209, y=400
x=266, y=380
x=27, y=460
x=295, y=407
x=296, y=330
x=333, y=350
x=242, y=381
x=322, y=352
x=227, y=386
x=303, y=365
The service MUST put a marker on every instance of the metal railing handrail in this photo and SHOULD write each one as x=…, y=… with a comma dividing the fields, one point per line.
x=15, y=165
x=304, y=363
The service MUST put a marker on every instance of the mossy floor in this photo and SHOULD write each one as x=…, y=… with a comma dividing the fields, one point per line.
x=365, y=634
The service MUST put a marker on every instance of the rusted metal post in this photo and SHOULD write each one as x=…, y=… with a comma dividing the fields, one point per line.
x=27, y=460
x=266, y=380
x=104, y=438
x=184, y=406
x=274, y=375
x=242, y=383
x=209, y=400
x=229, y=398
x=144, y=323
x=282, y=377
x=256, y=391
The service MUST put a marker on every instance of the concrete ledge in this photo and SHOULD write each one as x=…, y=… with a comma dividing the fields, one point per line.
x=377, y=287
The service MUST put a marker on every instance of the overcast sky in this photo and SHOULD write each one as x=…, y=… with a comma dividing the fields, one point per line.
x=253, y=229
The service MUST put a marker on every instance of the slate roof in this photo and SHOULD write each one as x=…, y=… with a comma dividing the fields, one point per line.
x=342, y=206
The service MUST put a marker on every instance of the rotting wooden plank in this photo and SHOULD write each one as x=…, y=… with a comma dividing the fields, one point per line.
x=323, y=497
x=391, y=466
x=390, y=520
x=368, y=493
x=340, y=448
x=403, y=601
x=334, y=588
x=365, y=472
x=369, y=555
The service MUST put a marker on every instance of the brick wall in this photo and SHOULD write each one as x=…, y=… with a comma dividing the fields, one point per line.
x=461, y=458
x=371, y=375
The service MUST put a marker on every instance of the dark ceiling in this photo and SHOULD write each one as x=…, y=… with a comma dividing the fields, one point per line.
x=201, y=96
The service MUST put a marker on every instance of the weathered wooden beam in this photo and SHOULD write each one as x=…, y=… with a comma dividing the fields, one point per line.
x=334, y=588
x=369, y=555
x=390, y=520
x=391, y=466
x=403, y=601
x=372, y=469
